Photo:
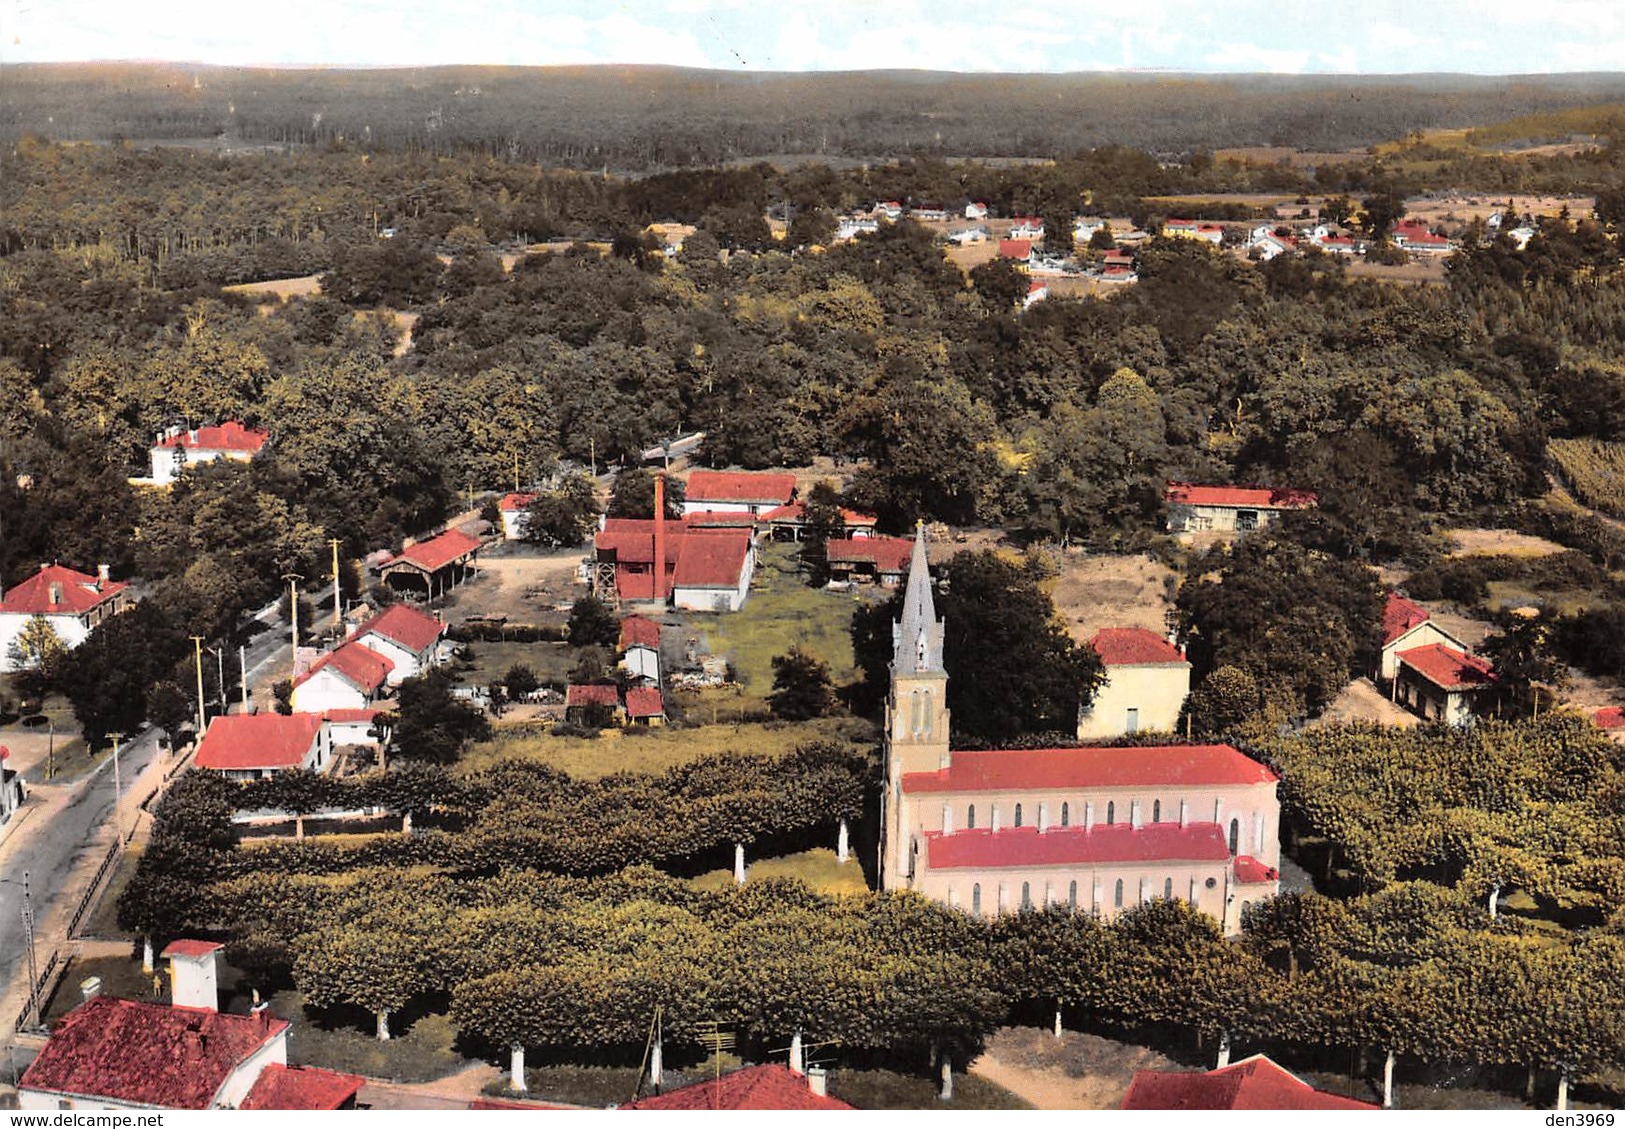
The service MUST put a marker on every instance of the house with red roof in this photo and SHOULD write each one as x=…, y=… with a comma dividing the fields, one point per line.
x=1196, y=508
x=789, y=523
x=645, y=706
x=1407, y=625
x=113, y=1054
x=737, y=491
x=1147, y=680
x=976, y=210
x=71, y=603
x=639, y=645
x=434, y=566
x=514, y=509
x=1414, y=236
x=703, y=567
x=592, y=703
x=1611, y=720
x=179, y=448
x=768, y=1088
x=881, y=560
x=257, y=745
x=1021, y=250
x=408, y=638
x=1194, y=229
x=1030, y=228
x=1442, y=683
x=353, y=677
x=1094, y=828
x=1253, y=1083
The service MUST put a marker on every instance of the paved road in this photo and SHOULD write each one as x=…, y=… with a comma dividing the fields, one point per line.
x=45, y=846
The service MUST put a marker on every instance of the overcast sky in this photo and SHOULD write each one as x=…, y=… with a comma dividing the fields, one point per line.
x=1287, y=36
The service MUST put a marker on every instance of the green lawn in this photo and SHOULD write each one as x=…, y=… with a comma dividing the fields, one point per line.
x=780, y=612
x=656, y=750
x=120, y=976
x=419, y=1050
x=102, y=920
x=817, y=868
x=491, y=661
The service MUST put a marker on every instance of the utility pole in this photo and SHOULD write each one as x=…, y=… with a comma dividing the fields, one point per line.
x=516, y=472
x=118, y=786
x=293, y=579
x=338, y=602
x=33, y=966
x=242, y=663
x=202, y=720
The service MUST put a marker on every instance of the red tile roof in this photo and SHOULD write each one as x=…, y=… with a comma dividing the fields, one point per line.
x=887, y=554
x=1091, y=766
x=147, y=1054
x=720, y=519
x=1134, y=646
x=631, y=539
x=1399, y=616
x=415, y=630
x=79, y=593
x=193, y=949
x=301, y=1087
x=644, y=701
x=592, y=694
x=229, y=436
x=796, y=512
x=361, y=667
x=1071, y=846
x=739, y=486
x=639, y=632
x=437, y=552
x=1448, y=668
x=342, y=717
x=1015, y=248
x=259, y=740
x=1251, y=872
x=767, y=1087
x=712, y=560
x=1610, y=717
x=1254, y=1083
x=1253, y=497
x=512, y=503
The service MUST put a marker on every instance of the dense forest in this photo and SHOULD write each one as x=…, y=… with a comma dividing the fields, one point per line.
x=647, y=118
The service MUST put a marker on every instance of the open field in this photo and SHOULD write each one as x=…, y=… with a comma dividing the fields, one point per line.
x=817, y=868
x=1451, y=209
x=1499, y=543
x=518, y=582
x=490, y=662
x=1416, y=273
x=1111, y=591
x=1076, y=1071
x=655, y=750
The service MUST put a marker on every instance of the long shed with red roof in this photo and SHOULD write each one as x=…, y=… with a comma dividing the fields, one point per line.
x=1197, y=508
x=434, y=565
x=254, y=746
x=737, y=491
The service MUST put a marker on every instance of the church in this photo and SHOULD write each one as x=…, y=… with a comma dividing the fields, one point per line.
x=1094, y=828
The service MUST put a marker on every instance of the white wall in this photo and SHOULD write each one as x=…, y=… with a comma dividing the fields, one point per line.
x=1157, y=692
x=642, y=661
x=325, y=691
x=1423, y=635
x=407, y=663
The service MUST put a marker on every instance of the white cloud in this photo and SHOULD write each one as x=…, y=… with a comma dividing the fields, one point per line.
x=1251, y=57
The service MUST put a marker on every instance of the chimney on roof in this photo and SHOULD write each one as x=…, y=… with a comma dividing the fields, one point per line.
x=104, y=573
x=90, y=987
x=193, y=980
x=818, y=1081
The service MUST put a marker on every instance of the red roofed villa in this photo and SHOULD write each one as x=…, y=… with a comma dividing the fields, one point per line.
x=1095, y=828
x=352, y=677
x=1147, y=680
x=730, y=491
x=72, y=604
x=769, y=1087
x=179, y=448
x=1444, y=684
x=407, y=637
x=1252, y=1083
x=434, y=566
x=253, y=746
x=1194, y=508
x=1407, y=625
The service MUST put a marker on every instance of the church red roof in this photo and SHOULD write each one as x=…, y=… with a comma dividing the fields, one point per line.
x=1448, y=668
x=1251, y=872
x=301, y=1087
x=739, y=486
x=1091, y=766
x=229, y=436
x=1251, y=497
x=147, y=1054
x=1253, y=1083
x=437, y=552
x=636, y=631
x=77, y=593
x=260, y=740
x=983, y=849
x=1400, y=615
x=1134, y=646
x=362, y=668
x=415, y=630
x=767, y=1087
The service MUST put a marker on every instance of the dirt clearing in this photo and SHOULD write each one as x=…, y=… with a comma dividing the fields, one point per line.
x=1076, y=1071
x=1499, y=543
x=525, y=586
x=1092, y=592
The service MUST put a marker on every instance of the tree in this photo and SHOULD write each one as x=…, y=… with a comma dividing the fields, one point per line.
x=1524, y=654
x=1380, y=212
x=108, y=676
x=633, y=495
x=801, y=687
x=593, y=623
x=562, y=517
x=431, y=724
x=1001, y=283
x=378, y=965
x=821, y=519
x=1225, y=701
x=520, y=680
x=35, y=656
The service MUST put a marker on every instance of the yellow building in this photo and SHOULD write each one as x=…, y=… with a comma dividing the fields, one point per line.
x=1147, y=679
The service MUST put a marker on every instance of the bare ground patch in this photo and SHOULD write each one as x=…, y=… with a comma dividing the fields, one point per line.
x=1092, y=592
x=1076, y=1071
x=523, y=585
x=1500, y=543
x=1362, y=701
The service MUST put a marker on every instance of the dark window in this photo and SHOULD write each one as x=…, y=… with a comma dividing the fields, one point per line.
x=1018, y=815
x=1111, y=813
x=976, y=899
x=1066, y=815
x=1026, y=895
x=1117, y=895
x=1072, y=894
x=1235, y=834
x=970, y=818
x=1156, y=811
x=1168, y=889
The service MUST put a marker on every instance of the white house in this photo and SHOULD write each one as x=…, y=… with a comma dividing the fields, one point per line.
x=640, y=647
x=247, y=747
x=69, y=602
x=850, y=227
x=1406, y=626
x=976, y=210
x=177, y=448
x=722, y=491
x=1027, y=227
x=713, y=571
x=1194, y=229
x=515, y=517
x=407, y=637
x=352, y=677
x=1195, y=508
x=113, y=1054
x=1147, y=680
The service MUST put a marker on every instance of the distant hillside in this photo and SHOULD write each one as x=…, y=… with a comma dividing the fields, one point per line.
x=641, y=118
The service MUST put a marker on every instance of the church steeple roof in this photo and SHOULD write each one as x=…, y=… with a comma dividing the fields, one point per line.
x=917, y=636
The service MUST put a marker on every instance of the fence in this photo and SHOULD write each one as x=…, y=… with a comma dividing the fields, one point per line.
x=40, y=993
x=89, y=895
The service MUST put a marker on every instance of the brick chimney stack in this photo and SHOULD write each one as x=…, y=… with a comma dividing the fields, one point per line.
x=660, y=536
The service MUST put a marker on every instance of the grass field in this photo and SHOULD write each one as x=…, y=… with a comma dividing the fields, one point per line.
x=781, y=612
x=103, y=918
x=1567, y=601
x=419, y=1049
x=817, y=868
x=490, y=662
x=656, y=750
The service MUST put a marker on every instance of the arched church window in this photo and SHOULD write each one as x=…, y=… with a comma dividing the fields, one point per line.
x=1111, y=812
x=1235, y=835
x=1072, y=894
x=976, y=900
x=1018, y=815
x=1117, y=894
x=1156, y=811
x=1066, y=818
x=970, y=818
x=1026, y=895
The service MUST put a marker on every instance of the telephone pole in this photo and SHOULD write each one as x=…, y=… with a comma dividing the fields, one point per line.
x=242, y=663
x=338, y=602
x=293, y=579
x=202, y=719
